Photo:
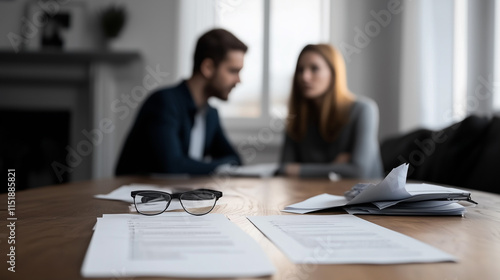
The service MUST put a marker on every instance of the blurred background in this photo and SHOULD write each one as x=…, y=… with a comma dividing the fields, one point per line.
x=73, y=74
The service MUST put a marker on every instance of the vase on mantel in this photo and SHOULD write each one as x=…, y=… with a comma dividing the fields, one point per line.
x=112, y=19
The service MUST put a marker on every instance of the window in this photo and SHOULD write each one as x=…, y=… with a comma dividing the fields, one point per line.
x=245, y=19
x=460, y=60
x=275, y=32
x=496, y=71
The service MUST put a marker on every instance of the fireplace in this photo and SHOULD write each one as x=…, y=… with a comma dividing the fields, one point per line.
x=49, y=102
x=30, y=141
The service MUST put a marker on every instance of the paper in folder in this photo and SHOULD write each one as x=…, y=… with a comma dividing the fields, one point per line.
x=392, y=196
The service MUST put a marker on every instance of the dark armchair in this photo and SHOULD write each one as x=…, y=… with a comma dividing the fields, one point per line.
x=466, y=154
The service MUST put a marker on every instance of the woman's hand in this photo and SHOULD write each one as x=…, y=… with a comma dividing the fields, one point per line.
x=342, y=158
x=292, y=169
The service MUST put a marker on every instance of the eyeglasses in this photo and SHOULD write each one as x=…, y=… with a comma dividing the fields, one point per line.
x=196, y=202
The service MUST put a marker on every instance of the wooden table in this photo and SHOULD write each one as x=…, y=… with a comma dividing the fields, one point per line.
x=54, y=228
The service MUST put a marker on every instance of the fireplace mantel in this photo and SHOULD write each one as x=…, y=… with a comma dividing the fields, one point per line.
x=69, y=56
x=85, y=83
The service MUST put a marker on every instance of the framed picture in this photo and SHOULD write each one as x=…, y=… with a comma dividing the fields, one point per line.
x=55, y=25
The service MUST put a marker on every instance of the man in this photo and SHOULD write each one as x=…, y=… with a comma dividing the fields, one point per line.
x=176, y=131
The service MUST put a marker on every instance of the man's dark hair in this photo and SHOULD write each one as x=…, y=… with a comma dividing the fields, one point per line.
x=215, y=44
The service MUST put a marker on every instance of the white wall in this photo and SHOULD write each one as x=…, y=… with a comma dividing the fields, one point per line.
x=482, y=82
x=373, y=56
x=10, y=16
x=426, y=91
x=151, y=29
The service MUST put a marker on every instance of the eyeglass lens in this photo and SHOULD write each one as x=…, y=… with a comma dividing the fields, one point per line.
x=151, y=203
x=198, y=202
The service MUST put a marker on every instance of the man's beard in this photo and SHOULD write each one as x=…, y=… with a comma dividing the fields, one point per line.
x=212, y=90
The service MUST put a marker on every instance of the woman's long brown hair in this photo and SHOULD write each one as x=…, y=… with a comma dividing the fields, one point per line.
x=337, y=100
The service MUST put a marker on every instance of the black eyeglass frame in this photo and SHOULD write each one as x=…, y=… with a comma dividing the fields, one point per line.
x=169, y=197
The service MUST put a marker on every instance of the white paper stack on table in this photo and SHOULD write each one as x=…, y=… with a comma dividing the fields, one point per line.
x=392, y=196
x=172, y=245
x=340, y=239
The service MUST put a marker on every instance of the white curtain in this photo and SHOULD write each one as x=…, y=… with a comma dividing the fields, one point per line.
x=497, y=59
x=195, y=18
x=426, y=86
x=447, y=62
x=481, y=52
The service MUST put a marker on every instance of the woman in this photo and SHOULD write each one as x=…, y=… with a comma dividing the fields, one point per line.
x=329, y=131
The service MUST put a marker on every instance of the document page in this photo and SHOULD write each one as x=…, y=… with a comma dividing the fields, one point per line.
x=392, y=196
x=315, y=203
x=418, y=208
x=174, y=245
x=343, y=239
x=391, y=188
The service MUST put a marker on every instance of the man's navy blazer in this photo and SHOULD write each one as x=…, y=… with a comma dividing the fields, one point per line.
x=159, y=139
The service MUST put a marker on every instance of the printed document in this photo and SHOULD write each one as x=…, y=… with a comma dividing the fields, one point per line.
x=343, y=239
x=392, y=196
x=172, y=245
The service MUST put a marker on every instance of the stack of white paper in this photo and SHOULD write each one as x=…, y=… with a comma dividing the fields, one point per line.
x=432, y=207
x=172, y=245
x=341, y=239
x=392, y=196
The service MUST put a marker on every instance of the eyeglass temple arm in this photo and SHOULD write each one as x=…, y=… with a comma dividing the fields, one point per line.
x=217, y=194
